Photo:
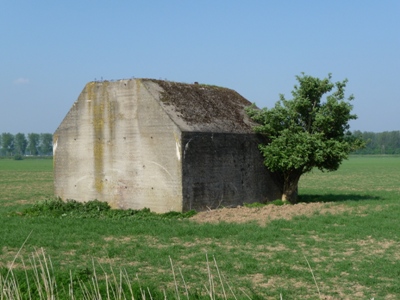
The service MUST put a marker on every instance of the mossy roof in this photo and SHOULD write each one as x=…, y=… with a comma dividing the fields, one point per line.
x=199, y=107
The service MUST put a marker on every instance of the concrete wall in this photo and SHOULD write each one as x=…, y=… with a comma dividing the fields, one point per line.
x=133, y=143
x=117, y=145
x=222, y=169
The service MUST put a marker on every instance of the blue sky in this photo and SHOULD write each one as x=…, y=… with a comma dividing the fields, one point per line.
x=51, y=49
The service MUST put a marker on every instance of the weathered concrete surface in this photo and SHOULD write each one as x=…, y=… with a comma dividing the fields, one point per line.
x=224, y=169
x=161, y=145
x=117, y=145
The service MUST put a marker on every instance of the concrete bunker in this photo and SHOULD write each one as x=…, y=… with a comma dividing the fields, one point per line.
x=162, y=145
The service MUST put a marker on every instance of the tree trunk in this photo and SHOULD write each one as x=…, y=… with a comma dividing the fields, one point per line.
x=290, y=188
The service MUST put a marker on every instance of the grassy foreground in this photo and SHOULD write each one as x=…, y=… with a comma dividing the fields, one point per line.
x=352, y=254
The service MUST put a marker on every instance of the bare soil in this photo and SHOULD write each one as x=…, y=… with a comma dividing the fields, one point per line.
x=262, y=215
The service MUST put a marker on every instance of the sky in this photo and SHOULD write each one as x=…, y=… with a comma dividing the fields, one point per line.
x=50, y=49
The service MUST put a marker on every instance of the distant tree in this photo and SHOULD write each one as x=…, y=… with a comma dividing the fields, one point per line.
x=387, y=142
x=7, y=143
x=306, y=132
x=46, y=143
x=372, y=146
x=33, y=143
x=20, y=143
x=395, y=141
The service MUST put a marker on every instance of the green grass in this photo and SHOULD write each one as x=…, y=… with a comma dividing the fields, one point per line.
x=24, y=181
x=360, y=175
x=353, y=254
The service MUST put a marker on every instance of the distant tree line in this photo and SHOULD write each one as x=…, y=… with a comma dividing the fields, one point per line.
x=36, y=144
x=33, y=144
x=387, y=142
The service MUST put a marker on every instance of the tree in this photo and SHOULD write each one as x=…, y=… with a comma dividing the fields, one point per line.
x=20, y=143
x=306, y=132
x=46, y=143
x=7, y=142
x=387, y=142
x=33, y=143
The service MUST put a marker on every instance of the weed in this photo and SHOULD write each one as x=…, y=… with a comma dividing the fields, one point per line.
x=18, y=157
x=40, y=281
x=254, y=204
x=279, y=202
x=92, y=209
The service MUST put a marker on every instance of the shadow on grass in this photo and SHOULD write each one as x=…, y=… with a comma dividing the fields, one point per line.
x=308, y=198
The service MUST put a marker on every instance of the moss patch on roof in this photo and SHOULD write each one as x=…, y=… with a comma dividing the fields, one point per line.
x=199, y=104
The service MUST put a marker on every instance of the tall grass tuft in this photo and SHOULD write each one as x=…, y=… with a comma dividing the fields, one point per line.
x=38, y=281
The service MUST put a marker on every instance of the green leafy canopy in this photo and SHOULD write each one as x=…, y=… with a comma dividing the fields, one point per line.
x=309, y=130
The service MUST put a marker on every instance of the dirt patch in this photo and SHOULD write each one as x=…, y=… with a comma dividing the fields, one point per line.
x=123, y=240
x=265, y=214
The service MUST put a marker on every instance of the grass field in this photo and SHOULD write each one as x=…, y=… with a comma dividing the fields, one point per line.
x=352, y=254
